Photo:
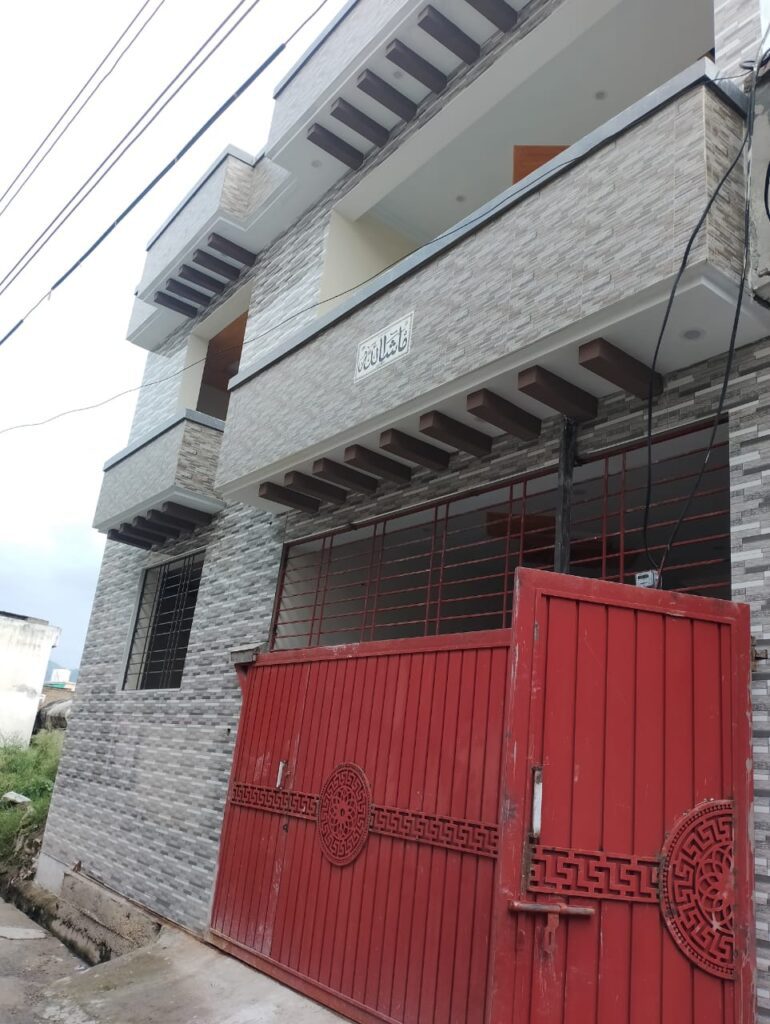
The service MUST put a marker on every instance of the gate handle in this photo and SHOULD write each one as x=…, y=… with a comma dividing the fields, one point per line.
x=554, y=912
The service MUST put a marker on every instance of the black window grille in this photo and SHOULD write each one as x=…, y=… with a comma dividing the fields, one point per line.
x=163, y=622
x=448, y=567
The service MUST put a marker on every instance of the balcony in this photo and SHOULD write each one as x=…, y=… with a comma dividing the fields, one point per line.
x=162, y=486
x=540, y=303
x=200, y=257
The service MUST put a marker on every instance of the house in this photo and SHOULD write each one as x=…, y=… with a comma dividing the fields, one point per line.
x=401, y=354
x=25, y=647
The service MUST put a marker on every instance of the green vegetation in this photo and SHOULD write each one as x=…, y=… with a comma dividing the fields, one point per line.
x=30, y=771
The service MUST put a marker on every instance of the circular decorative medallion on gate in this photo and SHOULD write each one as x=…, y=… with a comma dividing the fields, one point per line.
x=696, y=886
x=343, y=814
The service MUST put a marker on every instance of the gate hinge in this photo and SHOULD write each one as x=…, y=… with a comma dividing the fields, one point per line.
x=758, y=653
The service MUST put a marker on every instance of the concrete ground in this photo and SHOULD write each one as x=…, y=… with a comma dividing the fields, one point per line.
x=176, y=980
x=30, y=959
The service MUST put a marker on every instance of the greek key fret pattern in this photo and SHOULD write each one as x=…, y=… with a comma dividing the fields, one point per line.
x=450, y=833
x=276, y=801
x=593, y=874
x=411, y=826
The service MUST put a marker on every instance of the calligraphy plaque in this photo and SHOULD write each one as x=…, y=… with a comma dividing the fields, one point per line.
x=385, y=347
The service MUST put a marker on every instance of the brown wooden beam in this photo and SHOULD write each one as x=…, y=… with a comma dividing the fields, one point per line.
x=169, y=522
x=215, y=265
x=336, y=473
x=568, y=399
x=232, y=249
x=162, y=530
x=161, y=299
x=454, y=433
x=203, y=280
x=158, y=533
x=378, y=89
x=122, y=538
x=413, y=449
x=283, y=496
x=188, y=515
x=305, y=484
x=448, y=34
x=335, y=146
x=619, y=368
x=186, y=292
x=501, y=14
x=378, y=465
x=416, y=66
x=503, y=414
x=131, y=531
x=360, y=122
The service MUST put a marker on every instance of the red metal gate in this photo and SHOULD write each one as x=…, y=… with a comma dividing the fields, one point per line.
x=433, y=830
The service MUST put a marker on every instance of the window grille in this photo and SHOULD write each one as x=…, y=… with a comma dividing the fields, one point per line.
x=163, y=623
x=448, y=567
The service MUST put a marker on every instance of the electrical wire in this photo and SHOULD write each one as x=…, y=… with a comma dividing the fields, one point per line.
x=746, y=145
x=549, y=172
x=83, y=192
x=461, y=226
x=82, y=106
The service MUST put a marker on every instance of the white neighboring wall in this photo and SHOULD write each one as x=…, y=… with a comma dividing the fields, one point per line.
x=25, y=647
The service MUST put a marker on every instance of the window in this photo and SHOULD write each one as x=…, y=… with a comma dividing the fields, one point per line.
x=163, y=623
x=449, y=567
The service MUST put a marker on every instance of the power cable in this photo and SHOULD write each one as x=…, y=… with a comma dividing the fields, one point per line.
x=461, y=226
x=82, y=106
x=64, y=214
x=746, y=145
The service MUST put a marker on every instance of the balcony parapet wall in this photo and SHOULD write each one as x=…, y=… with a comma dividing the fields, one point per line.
x=604, y=225
x=177, y=463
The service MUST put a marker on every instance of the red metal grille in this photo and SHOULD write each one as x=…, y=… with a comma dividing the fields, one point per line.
x=448, y=567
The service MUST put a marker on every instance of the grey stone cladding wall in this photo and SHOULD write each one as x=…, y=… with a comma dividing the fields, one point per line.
x=185, y=457
x=141, y=789
x=737, y=33
x=158, y=399
x=602, y=233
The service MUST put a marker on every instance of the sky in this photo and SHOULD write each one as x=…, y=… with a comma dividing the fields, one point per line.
x=72, y=351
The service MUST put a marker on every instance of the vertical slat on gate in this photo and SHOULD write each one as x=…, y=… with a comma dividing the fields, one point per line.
x=500, y=687
x=617, y=829
x=425, y=908
x=466, y=874
x=558, y=737
x=377, y=739
x=333, y=959
x=362, y=756
x=260, y=874
x=420, y=684
x=392, y=849
x=483, y=733
x=649, y=826
x=263, y=889
x=439, y=1001
x=677, y=972
x=263, y=694
x=336, y=725
x=380, y=855
x=708, y=991
x=301, y=953
x=295, y=683
x=582, y=939
x=300, y=832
